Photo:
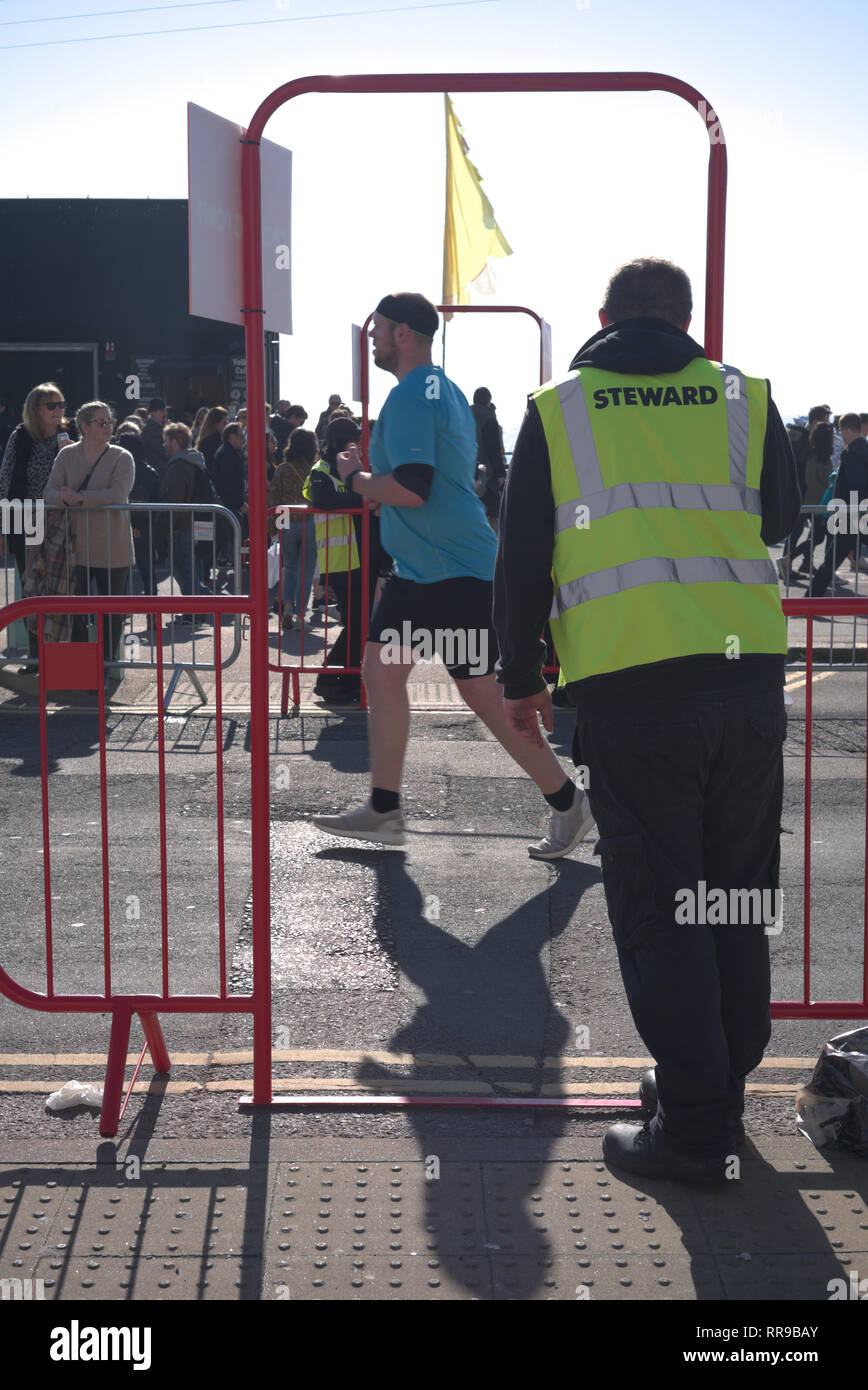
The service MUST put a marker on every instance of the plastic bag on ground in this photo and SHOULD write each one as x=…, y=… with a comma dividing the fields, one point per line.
x=833, y=1107
x=75, y=1093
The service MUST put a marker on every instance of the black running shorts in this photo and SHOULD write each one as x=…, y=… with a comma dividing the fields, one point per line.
x=450, y=619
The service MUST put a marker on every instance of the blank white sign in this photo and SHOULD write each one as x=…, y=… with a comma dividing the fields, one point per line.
x=214, y=212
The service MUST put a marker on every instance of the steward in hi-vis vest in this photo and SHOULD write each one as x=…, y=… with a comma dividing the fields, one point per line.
x=643, y=492
x=335, y=535
x=657, y=548
x=339, y=546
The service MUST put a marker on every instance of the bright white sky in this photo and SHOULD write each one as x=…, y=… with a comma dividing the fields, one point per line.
x=93, y=102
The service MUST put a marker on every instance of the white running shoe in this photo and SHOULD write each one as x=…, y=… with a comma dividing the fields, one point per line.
x=565, y=829
x=385, y=828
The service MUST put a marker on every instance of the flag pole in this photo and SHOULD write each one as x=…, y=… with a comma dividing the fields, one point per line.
x=446, y=297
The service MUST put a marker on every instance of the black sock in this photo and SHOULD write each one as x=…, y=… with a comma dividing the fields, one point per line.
x=562, y=800
x=382, y=801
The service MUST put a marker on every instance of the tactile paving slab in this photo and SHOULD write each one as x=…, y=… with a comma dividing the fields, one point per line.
x=593, y=1278
x=560, y=1207
x=343, y=1207
x=29, y=1215
x=172, y=1219
x=431, y=1229
x=153, y=1277
x=785, y=1212
x=376, y=1276
x=779, y=1278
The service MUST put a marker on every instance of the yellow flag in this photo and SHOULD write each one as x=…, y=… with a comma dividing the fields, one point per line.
x=471, y=234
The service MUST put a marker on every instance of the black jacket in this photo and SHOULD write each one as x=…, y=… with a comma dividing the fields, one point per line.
x=523, y=582
x=208, y=449
x=228, y=477
x=853, y=470
x=155, y=450
x=186, y=481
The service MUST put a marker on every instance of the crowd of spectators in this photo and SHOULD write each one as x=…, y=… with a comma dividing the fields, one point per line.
x=160, y=455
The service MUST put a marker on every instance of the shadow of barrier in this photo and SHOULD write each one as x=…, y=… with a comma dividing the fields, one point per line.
x=78, y=666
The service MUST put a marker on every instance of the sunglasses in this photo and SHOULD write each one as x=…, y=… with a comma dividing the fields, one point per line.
x=54, y=405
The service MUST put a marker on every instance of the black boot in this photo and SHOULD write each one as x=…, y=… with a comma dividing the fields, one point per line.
x=648, y=1097
x=637, y=1150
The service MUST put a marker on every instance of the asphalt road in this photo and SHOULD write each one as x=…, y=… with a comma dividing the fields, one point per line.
x=456, y=963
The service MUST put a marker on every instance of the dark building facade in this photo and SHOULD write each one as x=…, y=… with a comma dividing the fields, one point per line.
x=94, y=295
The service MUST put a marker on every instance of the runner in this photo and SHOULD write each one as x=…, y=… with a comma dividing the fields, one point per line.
x=438, y=601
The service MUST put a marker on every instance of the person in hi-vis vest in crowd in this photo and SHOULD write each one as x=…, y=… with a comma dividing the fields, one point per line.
x=643, y=492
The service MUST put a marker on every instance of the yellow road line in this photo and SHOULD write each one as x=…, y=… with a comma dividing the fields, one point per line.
x=354, y=1057
x=818, y=676
x=393, y=1085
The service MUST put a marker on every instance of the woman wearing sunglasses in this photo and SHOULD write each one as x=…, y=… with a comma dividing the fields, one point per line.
x=30, y=453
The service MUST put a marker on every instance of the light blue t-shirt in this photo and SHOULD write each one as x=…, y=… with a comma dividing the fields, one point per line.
x=426, y=419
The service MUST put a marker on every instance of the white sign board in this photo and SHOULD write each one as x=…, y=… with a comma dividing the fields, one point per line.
x=358, y=347
x=546, y=351
x=214, y=211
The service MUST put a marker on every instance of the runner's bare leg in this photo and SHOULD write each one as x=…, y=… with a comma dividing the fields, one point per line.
x=388, y=716
x=485, y=698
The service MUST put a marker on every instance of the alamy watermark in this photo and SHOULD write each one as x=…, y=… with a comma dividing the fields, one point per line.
x=454, y=646
x=848, y=520
x=850, y=1288
x=23, y=518
x=22, y=1289
x=739, y=907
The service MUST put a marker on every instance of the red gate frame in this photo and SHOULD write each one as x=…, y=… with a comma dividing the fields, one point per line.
x=292, y=672
x=443, y=309
x=253, y=312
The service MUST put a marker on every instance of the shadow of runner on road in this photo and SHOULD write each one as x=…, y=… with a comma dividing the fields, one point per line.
x=489, y=1005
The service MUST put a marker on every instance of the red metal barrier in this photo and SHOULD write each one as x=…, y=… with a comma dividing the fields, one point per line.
x=291, y=671
x=811, y=608
x=79, y=666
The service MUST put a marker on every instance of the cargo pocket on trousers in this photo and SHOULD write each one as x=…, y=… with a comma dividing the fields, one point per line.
x=771, y=728
x=630, y=889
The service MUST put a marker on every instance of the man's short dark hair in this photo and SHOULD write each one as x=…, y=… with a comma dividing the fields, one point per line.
x=851, y=421
x=156, y=403
x=413, y=309
x=864, y=417
x=297, y=410
x=818, y=412
x=649, y=288
x=482, y=396
x=230, y=430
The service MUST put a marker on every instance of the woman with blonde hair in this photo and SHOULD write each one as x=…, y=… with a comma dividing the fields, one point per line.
x=29, y=456
x=196, y=426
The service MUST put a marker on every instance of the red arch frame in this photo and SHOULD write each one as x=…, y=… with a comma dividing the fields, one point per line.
x=252, y=310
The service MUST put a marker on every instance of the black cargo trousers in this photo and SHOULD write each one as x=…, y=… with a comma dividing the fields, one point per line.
x=683, y=791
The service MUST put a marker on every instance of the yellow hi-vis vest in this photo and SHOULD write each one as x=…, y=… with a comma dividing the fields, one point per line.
x=335, y=535
x=657, y=551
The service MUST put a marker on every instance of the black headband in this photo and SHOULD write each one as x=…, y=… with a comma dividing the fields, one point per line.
x=421, y=317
